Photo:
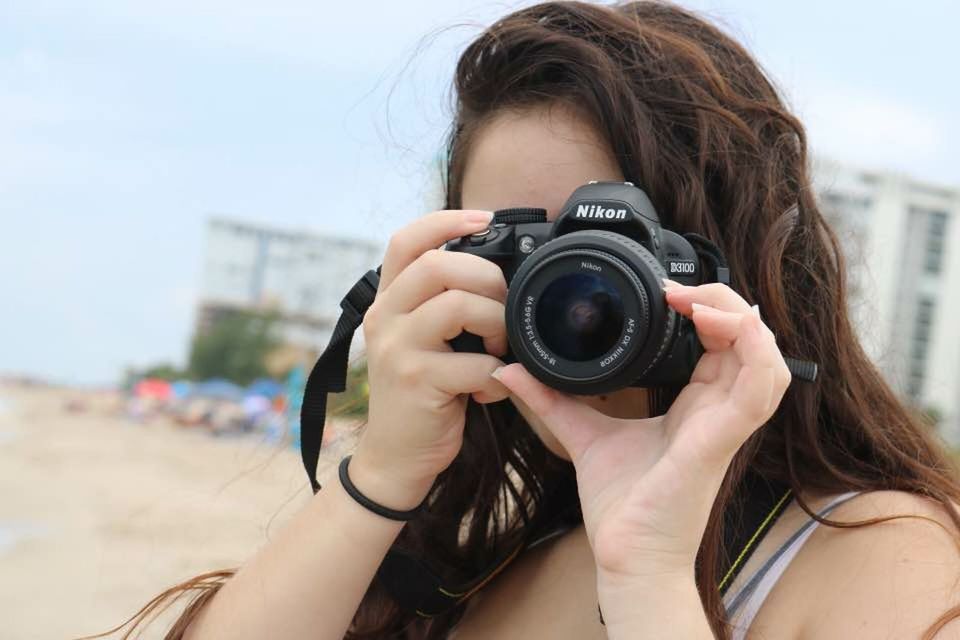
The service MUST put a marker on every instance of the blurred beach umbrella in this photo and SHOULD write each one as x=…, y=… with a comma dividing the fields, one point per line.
x=254, y=406
x=152, y=388
x=218, y=388
x=181, y=388
x=265, y=387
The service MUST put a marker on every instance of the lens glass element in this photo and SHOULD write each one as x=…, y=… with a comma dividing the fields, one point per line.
x=580, y=316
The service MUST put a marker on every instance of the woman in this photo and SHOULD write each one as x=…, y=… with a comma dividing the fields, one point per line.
x=549, y=98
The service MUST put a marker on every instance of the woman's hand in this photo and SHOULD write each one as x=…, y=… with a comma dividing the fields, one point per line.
x=418, y=385
x=647, y=485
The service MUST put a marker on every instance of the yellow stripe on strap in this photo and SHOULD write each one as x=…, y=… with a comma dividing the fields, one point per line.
x=753, y=538
x=466, y=594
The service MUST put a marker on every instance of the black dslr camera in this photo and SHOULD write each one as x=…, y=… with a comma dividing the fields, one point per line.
x=585, y=308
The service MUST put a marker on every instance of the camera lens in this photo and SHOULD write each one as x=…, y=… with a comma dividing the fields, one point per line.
x=580, y=316
x=585, y=313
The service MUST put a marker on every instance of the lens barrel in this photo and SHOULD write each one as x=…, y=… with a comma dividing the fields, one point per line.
x=586, y=312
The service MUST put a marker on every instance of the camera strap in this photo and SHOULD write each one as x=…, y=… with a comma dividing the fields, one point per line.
x=709, y=252
x=329, y=374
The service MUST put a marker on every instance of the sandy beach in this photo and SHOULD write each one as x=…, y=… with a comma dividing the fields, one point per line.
x=98, y=513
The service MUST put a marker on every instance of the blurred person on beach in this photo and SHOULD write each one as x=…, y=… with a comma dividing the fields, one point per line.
x=864, y=544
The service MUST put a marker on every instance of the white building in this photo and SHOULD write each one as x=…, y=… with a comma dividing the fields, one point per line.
x=902, y=240
x=302, y=275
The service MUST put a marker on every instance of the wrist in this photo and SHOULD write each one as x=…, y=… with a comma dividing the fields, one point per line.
x=385, y=488
x=638, y=607
x=615, y=583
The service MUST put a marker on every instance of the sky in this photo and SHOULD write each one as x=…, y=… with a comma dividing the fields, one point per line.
x=125, y=125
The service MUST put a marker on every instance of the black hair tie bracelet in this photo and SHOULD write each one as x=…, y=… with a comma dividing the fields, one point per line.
x=378, y=509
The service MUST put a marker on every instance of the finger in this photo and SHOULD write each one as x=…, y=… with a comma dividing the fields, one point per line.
x=716, y=329
x=457, y=373
x=753, y=396
x=436, y=271
x=574, y=423
x=425, y=233
x=486, y=397
x=756, y=346
x=763, y=376
x=451, y=312
x=719, y=369
x=710, y=382
x=716, y=430
x=708, y=368
x=715, y=294
x=747, y=407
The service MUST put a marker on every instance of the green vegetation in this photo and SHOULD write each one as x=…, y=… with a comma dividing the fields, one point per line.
x=932, y=416
x=163, y=370
x=235, y=347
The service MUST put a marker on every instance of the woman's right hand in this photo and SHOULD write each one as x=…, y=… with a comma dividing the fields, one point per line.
x=419, y=386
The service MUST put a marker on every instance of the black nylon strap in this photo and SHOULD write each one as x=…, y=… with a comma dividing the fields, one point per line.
x=329, y=374
x=707, y=250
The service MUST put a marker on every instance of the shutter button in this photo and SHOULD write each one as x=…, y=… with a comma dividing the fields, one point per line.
x=482, y=236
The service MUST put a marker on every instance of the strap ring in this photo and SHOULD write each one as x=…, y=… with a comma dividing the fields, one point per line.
x=369, y=504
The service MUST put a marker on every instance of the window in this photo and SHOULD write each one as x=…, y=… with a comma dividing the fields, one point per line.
x=934, y=245
x=919, y=346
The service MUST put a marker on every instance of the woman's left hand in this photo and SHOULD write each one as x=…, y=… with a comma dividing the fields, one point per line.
x=647, y=485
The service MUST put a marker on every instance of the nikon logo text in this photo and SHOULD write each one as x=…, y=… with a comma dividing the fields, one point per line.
x=597, y=211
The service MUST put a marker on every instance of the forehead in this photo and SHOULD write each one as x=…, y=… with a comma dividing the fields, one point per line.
x=534, y=158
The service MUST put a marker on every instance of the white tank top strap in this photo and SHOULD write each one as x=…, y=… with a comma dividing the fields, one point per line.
x=742, y=605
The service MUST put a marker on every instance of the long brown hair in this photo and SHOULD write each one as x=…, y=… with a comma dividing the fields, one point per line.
x=693, y=119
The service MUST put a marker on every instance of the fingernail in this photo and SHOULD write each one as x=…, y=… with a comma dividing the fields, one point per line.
x=496, y=373
x=670, y=284
x=757, y=327
x=701, y=307
x=478, y=217
x=756, y=310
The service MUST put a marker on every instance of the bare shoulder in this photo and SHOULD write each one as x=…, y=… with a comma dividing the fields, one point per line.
x=890, y=579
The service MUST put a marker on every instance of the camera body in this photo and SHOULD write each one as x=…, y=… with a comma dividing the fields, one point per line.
x=585, y=308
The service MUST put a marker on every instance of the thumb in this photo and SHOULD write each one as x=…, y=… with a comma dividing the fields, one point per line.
x=572, y=422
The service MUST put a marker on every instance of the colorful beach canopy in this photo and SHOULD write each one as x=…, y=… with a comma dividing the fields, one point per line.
x=152, y=388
